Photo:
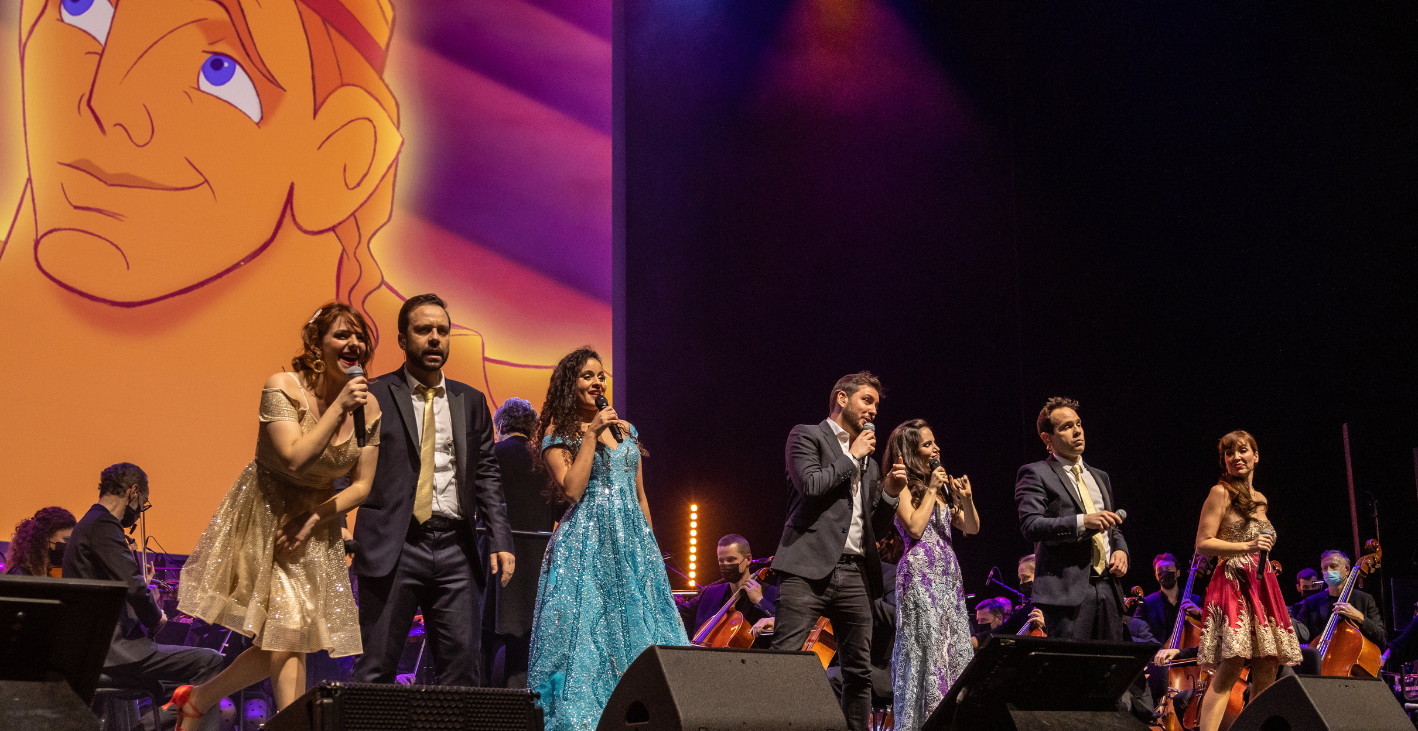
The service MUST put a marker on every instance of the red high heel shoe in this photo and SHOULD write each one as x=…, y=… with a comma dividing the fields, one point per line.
x=181, y=699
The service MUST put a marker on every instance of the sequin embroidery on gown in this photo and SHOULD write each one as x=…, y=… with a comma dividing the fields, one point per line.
x=932, y=626
x=296, y=601
x=1244, y=617
x=603, y=596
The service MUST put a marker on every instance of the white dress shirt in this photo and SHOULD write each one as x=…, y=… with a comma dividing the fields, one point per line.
x=445, y=460
x=854, y=529
x=1094, y=492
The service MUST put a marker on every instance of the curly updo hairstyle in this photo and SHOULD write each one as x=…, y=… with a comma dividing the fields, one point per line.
x=310, y=362
x=29, y=547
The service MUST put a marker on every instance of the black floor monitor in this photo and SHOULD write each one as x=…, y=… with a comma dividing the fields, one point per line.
x=52, y=629
x=1039, y=674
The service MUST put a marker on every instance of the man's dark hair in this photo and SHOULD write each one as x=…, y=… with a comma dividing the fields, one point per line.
x=850, y=384
x=1165, y=558
x=736, y=539
x=415, y=302
x=1044, y=425
x=1310, y=574
x=515, y=415
x=998, y=606
x=116, y=479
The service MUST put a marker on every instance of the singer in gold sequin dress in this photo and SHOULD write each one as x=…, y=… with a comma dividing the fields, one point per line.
x=271, y=563
x=1245, y=621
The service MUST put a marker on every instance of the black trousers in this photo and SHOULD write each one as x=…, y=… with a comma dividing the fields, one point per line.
x=435, y=573
x=1099, y=617
x=169, y=666
x=843, y=598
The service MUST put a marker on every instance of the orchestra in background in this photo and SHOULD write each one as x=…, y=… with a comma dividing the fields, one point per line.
x=516, y=548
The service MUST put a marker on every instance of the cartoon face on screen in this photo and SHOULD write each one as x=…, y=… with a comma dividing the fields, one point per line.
x=171, y=141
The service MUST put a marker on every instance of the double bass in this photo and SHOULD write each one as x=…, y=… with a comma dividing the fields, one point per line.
x=1182, y=702
x=728, y=628
x=1343, y=649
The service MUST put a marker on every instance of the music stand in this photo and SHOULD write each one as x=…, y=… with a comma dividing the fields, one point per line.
x=1019, y=682
x=57, y=629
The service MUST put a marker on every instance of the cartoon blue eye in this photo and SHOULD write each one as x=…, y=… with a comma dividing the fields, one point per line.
x=222, y=77
x=91, y=16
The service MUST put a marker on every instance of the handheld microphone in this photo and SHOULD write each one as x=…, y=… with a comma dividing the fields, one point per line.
x=949, y=495
x=867, y=427
x=603, y=404
x=1264, y=556
x=1122, y=514
x=359, y=412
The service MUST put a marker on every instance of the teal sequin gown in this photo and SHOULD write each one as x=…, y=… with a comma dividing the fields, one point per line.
x=603, y=596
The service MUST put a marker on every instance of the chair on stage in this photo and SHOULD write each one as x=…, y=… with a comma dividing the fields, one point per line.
x=118, y=706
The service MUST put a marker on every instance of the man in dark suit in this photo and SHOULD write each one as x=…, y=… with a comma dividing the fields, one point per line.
x=1066, y=508
x=97, y=549
x=1316, y=609
x=1159, y=609
x=437, y=478
x=837, y=503
x=757, y=602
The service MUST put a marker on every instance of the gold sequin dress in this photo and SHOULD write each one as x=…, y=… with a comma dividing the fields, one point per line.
x=1245, y=617
x=296, y=601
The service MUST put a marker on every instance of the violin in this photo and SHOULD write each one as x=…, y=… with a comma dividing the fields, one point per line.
x=821, y=641
x=1185, y=685
x=728, y=628
x=1027, y=629
x=1344, y=651
x=1132, y=600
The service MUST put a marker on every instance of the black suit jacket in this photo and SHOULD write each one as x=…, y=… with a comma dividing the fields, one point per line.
x=1049, y=507
x=1315, y=611
x=819, y=478
x=1161, y=615
x=98, y=550
x=712, y=597
x=385, y=516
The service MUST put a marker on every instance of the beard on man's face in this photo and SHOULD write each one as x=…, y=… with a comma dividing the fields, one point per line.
x=420, y=356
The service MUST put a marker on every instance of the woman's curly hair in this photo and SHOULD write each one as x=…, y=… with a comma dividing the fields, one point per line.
x=310, y=362
x=561, y=416
x=29, y=547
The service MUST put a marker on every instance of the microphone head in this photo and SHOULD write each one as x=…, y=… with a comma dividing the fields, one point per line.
x=935, y=463
x=868, y=426
x=602, y=402
x=1122, y=513
x=355, y=371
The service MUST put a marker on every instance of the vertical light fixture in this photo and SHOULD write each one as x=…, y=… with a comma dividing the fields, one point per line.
x=693, y=540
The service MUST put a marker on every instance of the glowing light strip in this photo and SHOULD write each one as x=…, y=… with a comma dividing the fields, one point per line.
x=693, y=540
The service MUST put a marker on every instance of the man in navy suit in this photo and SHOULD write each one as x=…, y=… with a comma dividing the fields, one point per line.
x=1066, y=507
x=757, y=601
x=836, y=506
x=437, y=479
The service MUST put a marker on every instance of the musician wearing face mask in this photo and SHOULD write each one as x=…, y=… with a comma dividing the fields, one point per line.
x=1026, y=575
x=1159, y=609
x=756, y=601
x=1308, y=583
x=38, y=544
x=97, y=549
x=989, y=615
x=1314, y=611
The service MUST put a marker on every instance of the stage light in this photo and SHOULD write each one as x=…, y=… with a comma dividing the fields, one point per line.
x=691, y=565
x=693, y=532
x=691, y=574
x=693, y=524
x=691, y=583
x=693, y=541
x=694, y=507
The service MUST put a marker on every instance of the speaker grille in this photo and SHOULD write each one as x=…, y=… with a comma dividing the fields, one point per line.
x=376, y=707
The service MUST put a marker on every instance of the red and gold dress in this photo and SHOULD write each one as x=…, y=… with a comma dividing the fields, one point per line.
x=1244, y=617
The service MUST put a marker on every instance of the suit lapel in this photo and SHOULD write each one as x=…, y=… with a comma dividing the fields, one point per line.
x=1102, y=488
x=1068, y=486
x=399, y=387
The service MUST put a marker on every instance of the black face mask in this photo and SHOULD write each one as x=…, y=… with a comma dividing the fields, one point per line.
x=56, y=554
x=1169, y=580
x=130, y=516
x=731, y=572
x=982, y=627
x=1026, y=588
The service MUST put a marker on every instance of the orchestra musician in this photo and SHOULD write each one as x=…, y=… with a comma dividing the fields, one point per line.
x=1159, y=609
x=989, y=615
x=1361, y=608
x=757, y=602
x=97, y=549
x=38, y=543
x=837, y=505
x=1066, y=508
x=1025, y=570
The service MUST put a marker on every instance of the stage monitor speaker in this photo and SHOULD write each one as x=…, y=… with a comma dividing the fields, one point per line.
x=57, y=629
x=1026, y=683
x=704, y=689
x=1312, y=703
x=375, y=707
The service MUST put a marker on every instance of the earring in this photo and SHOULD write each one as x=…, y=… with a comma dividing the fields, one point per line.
x=318, y=366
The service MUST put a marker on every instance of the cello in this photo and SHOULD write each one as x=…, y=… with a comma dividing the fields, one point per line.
x=728, y=628
x=1344, y=650
x=1184, y=679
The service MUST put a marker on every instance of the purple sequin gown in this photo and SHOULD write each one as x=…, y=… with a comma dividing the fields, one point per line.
x=932, y=627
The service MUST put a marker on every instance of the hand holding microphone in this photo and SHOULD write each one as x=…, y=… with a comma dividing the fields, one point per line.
x=358, y=394
x=603, y=403
x=1264, y=550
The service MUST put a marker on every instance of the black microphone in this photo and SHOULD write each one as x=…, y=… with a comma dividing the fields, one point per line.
x=1264, y=556
x=359, y=412
x=949, y=495
x=603, y=404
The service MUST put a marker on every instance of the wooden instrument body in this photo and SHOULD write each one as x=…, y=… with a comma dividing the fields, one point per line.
x=728, y=628
x=821, y=641
x=1344, y=650
x=1181, y=679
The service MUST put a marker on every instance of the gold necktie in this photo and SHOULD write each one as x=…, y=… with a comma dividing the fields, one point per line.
x=1100, y=561
x=423, y=494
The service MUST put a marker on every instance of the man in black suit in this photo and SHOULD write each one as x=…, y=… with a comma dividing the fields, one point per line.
x=1316, y=609
x=97, y=549
x=437, y=477
x=1066, y=508
x=757, y=602
x=836, y=506
x=1159, y=609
